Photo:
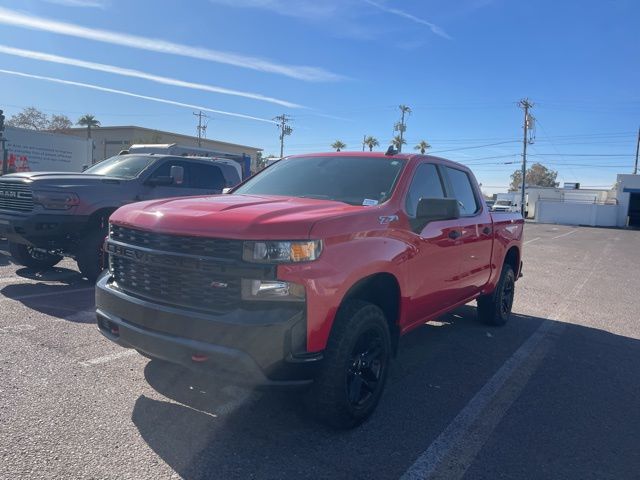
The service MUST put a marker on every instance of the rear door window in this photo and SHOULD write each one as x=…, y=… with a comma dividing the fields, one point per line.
x=462, y=190
x=207, y=177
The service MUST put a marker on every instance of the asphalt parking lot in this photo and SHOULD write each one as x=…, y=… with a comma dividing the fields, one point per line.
x=554, y=394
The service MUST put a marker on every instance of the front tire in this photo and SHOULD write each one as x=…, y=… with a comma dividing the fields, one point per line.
x=91, y=257
x=495, y=308
x=356, y=362
x=31, y=257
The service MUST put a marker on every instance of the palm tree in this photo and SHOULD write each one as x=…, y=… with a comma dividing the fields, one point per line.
x=422, y=146
x=88, y=121
x=404, y=109
x=397, y=142
x=371, y=142
x=338, y=145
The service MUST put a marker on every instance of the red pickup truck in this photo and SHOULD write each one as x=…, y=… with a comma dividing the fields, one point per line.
x=308, y=273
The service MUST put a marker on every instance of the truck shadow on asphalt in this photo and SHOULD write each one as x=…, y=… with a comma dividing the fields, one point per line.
x=576, y=412
x=60, y=299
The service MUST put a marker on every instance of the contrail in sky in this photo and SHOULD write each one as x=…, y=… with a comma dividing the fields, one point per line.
x=45, y=57
x=134, y=95
x=299, y=72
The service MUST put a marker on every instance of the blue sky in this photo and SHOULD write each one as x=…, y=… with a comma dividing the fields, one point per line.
x=339, y=68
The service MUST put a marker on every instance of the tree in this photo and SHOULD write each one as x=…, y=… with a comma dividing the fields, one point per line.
x=30, y=118
x=371, y=142
x=338, y=145
x=88, y=121
x=59, y=123
x=422, y=146
x=401, y=126
x=397, y=142
x=537, y=175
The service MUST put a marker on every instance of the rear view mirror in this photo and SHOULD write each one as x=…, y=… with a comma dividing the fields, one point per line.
x=435, y=209
x=177, y=174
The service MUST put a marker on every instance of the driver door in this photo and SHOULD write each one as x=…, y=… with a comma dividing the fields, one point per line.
x=175, y=189
x=434, y=273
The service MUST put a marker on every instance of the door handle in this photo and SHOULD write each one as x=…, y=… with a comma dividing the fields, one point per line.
x=486, y=230
x=454, y=234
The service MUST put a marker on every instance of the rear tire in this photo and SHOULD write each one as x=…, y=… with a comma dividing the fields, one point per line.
x=91, y=257
x=32, y=258
x=356, y=362
x=495, y=308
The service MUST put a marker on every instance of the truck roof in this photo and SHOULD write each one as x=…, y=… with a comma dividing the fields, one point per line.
x=398, y=156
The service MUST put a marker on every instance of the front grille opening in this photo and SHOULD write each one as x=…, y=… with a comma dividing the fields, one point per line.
x=188, y=288
x=16, y=196
x=206, y=247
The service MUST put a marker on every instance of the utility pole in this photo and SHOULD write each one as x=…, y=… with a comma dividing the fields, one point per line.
x=364, y=139
x=284, y=128
x=3, y=141
x=525, y=104
x=202, y=129
x=401, y=126
x=635, y=168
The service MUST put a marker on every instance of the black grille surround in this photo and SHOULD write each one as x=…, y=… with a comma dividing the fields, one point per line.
x=206, y=247
x=16, y=196
x=196, y=273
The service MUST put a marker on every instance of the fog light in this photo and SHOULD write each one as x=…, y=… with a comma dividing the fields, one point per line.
x=272, y=290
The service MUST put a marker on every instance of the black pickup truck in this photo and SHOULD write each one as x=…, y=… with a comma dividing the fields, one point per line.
x=46, y=216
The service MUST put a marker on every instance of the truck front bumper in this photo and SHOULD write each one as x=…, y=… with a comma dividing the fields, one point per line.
x=40, y=229
x=261, y=346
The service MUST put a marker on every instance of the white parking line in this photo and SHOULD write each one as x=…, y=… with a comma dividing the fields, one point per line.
x=565, y=234
x=531, y=241
x=108, y=358
x=48, y=281
x=453, y=451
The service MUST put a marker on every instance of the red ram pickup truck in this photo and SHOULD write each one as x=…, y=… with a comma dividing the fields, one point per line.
x=308, y=273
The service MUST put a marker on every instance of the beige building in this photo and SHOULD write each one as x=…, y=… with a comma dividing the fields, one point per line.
x=109, y=141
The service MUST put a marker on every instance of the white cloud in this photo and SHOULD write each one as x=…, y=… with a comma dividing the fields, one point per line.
x=134, y=95
x=45, y=57
x=81, y=3
x=18, y=19
x=309, y=9
x=401, y=13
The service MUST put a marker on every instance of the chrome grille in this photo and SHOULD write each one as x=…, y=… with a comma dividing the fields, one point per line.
x=16, y=196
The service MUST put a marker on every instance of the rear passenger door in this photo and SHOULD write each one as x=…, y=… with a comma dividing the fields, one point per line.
x=474, y=235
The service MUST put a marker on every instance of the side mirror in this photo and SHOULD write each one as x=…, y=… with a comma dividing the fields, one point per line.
x=177, y=174
x=227, y=189
x=85, y=167
x=435, y=209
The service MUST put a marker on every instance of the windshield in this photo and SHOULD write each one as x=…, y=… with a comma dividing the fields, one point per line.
x=123, y=166
x=352, y=180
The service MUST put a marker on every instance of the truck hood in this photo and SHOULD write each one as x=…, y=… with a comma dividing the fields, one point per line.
x=61, y=179
x=249, y=217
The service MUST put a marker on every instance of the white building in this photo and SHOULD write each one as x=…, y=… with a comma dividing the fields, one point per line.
x=618, y=207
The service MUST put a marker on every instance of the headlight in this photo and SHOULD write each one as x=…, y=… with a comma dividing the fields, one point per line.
x=56, y=200
x=282, y=252
x=269, y=290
